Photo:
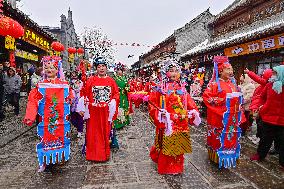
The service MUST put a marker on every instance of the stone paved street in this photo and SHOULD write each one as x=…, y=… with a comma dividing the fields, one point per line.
x=130, y=166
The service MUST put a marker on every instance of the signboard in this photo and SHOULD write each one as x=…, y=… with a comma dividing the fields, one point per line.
x=35, y=39
x=265, y=44
x=26, y=55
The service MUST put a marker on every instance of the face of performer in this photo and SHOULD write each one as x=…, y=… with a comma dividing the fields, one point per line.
x=50, y=70
x=173, y=73
x=101, y=70
x=119, y=72
x=227, y=73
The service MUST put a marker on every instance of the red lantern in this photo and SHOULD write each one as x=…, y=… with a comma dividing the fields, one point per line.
x=56, y=46
x=16, y=30
x=10, y=27
x=72, y=50
x=80, y=51
x=5, y=25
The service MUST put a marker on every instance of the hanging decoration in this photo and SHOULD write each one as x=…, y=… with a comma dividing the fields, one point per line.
x=10, y=27
x=12, y=30
x=80, y=51
x=10, y=43
x=71, y=51
x=57, y=47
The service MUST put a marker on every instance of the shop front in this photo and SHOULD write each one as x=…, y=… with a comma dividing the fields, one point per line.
x=258, y=55
x=27, y=50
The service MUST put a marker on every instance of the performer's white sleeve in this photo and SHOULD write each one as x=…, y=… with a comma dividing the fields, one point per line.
x=167, y=120
x=81, y=105
x=112, y=109
x=197, y=119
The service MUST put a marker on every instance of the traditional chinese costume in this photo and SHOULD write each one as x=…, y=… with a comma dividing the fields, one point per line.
x=123, y=109
x=50, y=99
x=172, y=139
x=77, y=119
x=224, y=115
x=103, y=96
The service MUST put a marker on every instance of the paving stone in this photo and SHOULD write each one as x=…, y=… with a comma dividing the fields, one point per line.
x=130, y=166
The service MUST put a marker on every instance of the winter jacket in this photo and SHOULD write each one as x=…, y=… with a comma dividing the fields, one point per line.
x=255, y=101
x=272, y=110
x=13, y=84
x=248, y=89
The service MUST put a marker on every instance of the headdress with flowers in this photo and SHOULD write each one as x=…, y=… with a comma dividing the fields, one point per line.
x=120, y=66
x=56, y=61
x=166, y=65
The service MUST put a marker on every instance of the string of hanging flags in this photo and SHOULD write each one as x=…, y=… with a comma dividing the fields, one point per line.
x=111, y=43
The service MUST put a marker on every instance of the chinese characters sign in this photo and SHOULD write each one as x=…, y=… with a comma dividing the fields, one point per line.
x=35, y=39
x=26, y=55
x=270, y=43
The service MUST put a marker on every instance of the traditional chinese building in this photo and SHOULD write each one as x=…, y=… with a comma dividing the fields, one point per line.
x=249, y=32
x=67, y=35
x=178, y=43
x=32, y=46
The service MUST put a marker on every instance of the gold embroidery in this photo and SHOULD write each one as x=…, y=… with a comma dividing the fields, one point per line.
x=176, y=144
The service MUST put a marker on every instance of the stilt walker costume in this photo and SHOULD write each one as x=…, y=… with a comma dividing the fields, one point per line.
x=224, y=115
x=103, y=97
x=51, y=100
x=123, y=109
x=172, y=110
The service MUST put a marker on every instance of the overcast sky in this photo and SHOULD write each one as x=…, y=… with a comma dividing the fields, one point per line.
x=124, y=21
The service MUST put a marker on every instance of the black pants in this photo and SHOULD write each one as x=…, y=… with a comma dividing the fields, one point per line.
x=14, y=99
x=271, y=133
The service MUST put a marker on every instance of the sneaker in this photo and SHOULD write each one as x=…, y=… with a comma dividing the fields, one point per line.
x=41, y=169
x=255, y=157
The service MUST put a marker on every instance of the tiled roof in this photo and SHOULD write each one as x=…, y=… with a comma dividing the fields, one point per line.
x=258, y=28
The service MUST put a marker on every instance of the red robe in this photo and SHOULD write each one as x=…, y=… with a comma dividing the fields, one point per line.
x=216, y=107
x=98, y=126
x=166, y=152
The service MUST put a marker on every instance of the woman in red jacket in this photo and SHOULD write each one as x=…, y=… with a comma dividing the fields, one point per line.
x=262, y=81
x=271, y=107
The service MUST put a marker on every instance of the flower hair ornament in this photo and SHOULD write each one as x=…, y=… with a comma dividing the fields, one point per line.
x=119, y=66
x=56, y=61
x=166, y=66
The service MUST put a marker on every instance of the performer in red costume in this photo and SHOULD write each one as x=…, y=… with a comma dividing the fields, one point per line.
x=51, y=100
x=103, y=96
x=172, y=110
x=223, y=100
